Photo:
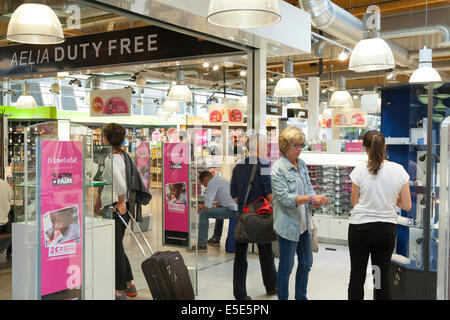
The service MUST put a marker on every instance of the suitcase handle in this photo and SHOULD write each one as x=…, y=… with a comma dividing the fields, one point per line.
x=133, y=234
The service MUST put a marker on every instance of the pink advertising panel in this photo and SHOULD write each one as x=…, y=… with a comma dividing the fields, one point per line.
x=143, y=161
x=353, y=147
x=60, y=196
x=176, y=194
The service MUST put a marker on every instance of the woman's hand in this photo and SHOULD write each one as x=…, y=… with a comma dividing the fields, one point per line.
x=320, y=200
x=121, y=207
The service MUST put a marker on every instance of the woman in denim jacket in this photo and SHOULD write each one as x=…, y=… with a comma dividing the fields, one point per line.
x=292, y=193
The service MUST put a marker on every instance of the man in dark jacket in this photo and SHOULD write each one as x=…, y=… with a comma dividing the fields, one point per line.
x=261, y=187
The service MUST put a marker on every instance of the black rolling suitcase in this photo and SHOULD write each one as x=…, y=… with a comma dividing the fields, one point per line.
x=165, y=271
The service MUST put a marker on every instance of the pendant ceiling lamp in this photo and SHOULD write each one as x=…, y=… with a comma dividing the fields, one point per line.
x=26, y=101
x=288, y=86
x=35, y=23
x=171, y=106
x=371, y=53
x=341, y=97
x=425, y=73
x=180, y=91
x=243, y=14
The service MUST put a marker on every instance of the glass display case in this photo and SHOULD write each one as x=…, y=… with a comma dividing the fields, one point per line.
x=99, y=180
x=443, y=280
x=334, y=182
x=55, y=242
x=411, y=121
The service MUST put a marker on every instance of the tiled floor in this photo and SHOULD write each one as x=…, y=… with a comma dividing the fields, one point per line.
x=328, y=278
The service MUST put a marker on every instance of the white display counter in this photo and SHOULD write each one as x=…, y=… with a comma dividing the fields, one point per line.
x=99, y=260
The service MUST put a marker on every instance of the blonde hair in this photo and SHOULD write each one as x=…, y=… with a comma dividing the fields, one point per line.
x=289, y=135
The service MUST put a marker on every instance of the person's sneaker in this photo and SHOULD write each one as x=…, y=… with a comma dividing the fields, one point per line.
x=198, y=248
x=131, y=291
x=213, y=242
x=121, y=296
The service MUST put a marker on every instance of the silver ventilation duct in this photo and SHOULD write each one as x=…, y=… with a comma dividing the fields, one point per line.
x=334, y=20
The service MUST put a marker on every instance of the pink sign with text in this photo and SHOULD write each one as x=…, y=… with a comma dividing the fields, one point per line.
x=353, y=147
x=176, y=193
x=61, y=218
x=143, y=162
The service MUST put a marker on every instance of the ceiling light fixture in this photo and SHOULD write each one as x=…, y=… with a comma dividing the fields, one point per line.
x=55, y=88
x=180, y=91
x=215, y=67
x=343, y=55
x=371, y=53
x=243, y=73
x=425, y=73
x=26, y=101
x=205, y=64
x=171, y=106
x=141, y=80
x=288, y=86
x=341, y=97
x=243, y=14
x=35, y=23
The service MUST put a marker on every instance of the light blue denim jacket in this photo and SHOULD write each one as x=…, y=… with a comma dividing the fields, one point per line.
x=287, y=184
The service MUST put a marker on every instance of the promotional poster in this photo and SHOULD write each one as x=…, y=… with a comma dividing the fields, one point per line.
x=115, y=102
x=60, y=193
x=176, y=194
x=143, y=161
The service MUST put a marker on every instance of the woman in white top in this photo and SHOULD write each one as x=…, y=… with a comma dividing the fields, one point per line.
x=378, y=188
x=114, y=135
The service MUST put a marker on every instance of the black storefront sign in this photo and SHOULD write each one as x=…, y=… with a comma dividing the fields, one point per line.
x=138, y=45
x=273, y=110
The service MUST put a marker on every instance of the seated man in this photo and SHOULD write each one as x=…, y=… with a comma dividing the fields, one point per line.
x=217, y=189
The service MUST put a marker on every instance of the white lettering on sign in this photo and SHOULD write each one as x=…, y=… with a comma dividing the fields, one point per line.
x=111, y=46
x=151, y=42
x=125, y=44
x=74, y=280
x=97, y=48
x=86, y=50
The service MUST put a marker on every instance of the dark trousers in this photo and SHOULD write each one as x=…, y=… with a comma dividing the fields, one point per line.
x=267, y=262
x=123, y=268
x=377, y=240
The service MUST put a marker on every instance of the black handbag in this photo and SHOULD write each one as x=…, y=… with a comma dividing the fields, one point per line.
x=252, y=227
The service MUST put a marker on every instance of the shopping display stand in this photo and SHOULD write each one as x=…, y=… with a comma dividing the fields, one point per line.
x=61, y=250
x=443, y=282
x=411, y=123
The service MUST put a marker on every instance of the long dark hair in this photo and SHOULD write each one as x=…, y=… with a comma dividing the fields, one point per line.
x=374, y=142
x=115, y=133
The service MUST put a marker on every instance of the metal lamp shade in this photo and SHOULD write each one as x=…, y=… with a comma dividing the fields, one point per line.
x=180, y=92
x=170, y=106
x=425, y=73
x=341, y=99
x=243, y=14
x=288, y=87
x=35, y=23
x=26, y=102
x=370, y=55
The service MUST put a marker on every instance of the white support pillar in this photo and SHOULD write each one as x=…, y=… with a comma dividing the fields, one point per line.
x=313, y=107
x=256, y=90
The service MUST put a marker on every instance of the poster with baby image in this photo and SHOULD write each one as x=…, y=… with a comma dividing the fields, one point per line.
x=61, y=230
x=60, y=207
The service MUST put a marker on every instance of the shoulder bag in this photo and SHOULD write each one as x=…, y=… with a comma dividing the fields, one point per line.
x=255, y=223
x=314, y=239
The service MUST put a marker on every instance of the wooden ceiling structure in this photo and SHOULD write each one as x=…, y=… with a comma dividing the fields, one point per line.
x=95, y=21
